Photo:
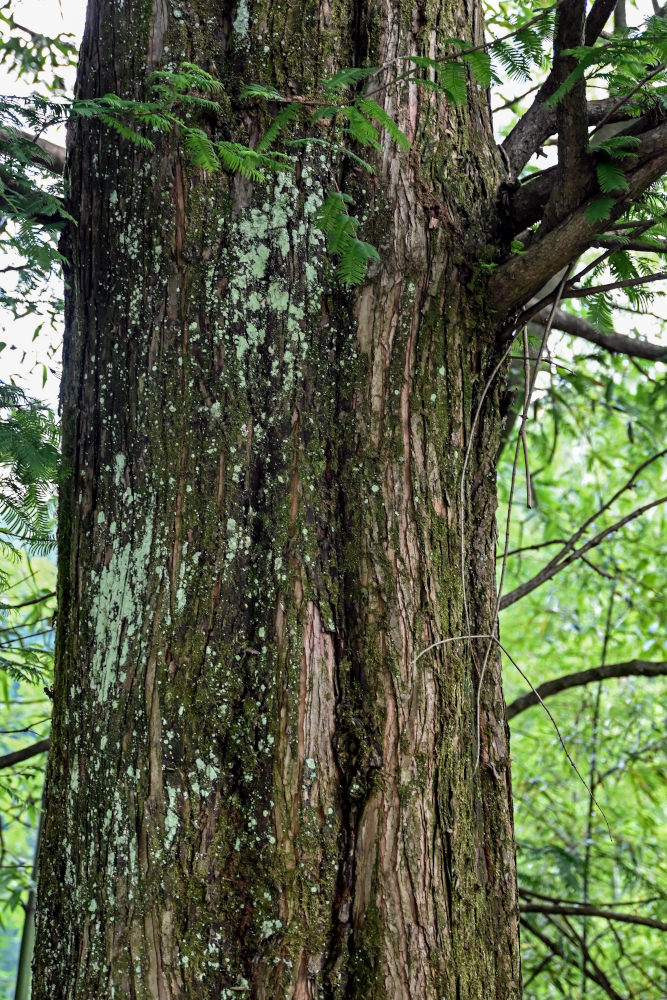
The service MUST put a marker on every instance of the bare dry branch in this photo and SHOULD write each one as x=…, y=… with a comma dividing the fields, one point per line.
x=18, y=756
x=616, y=343
x=630, y=668
x=591, y=973
x=583, y=910
x=569, y=552
x=550, y=571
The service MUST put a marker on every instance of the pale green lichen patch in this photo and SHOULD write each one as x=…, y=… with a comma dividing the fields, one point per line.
x=120, y=462
x=242, y=19
x=117, y=609
x=266, y=314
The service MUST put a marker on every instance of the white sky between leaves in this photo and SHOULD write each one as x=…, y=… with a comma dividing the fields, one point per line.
x=24, y=363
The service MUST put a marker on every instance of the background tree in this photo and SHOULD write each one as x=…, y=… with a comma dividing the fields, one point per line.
x=331, y=866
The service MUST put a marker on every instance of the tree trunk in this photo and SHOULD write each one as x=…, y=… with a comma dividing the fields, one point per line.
x=255, y=788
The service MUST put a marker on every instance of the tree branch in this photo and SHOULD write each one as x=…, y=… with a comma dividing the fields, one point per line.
x=549, y=571
x=18, y=756
x=593, y=974
x=539, y=545
x=42, y=152
x=620, y=15
x=573, y=167
x=569, y=552
x=20, y=189
x=526, y=201
x=540, y=122
x=630, y=668
x=616, y=343
x=598, y=16
x=646, y=245
x=631, y=93
x=27, y=604
x=584, y=910
x=582, y=293
x=523, y=275
x=532, y=894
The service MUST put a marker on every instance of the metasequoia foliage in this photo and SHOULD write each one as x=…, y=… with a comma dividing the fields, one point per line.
x=597, y=181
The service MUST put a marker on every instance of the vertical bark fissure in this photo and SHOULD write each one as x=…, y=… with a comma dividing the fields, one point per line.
x=270, y=795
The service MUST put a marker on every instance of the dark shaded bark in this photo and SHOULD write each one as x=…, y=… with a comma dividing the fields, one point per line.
x=255, y=788
x=598, y=16
x=573, y=166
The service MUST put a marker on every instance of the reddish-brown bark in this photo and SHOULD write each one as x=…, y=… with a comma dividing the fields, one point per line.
x=256, y=788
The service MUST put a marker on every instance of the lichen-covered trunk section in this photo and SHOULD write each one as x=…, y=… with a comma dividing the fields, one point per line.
x=258, y=786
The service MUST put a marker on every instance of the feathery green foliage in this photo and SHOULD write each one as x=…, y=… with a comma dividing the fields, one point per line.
x=340, y=228
x=28, y=468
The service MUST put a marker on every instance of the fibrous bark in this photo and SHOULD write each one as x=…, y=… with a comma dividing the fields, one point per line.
x=255, y=788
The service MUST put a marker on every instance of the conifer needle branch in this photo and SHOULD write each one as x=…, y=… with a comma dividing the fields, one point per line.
x=626, y=97
x=44, y=154
x=608, y=251
x=482, y=47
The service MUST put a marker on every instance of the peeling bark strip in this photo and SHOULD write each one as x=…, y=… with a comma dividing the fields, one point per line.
x=254, y=789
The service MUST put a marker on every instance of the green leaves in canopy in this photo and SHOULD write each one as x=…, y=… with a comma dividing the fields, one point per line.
x=600, y=209
x=611, y=178
x=621, y=60
x=28, y=467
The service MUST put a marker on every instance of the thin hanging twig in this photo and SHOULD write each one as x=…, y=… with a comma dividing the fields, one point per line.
x=524, y=420
x=493, y=638
x=524, y=438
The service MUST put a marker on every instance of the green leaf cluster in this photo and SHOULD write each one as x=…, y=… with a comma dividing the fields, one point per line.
x=28, y=468
x=340, y=229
